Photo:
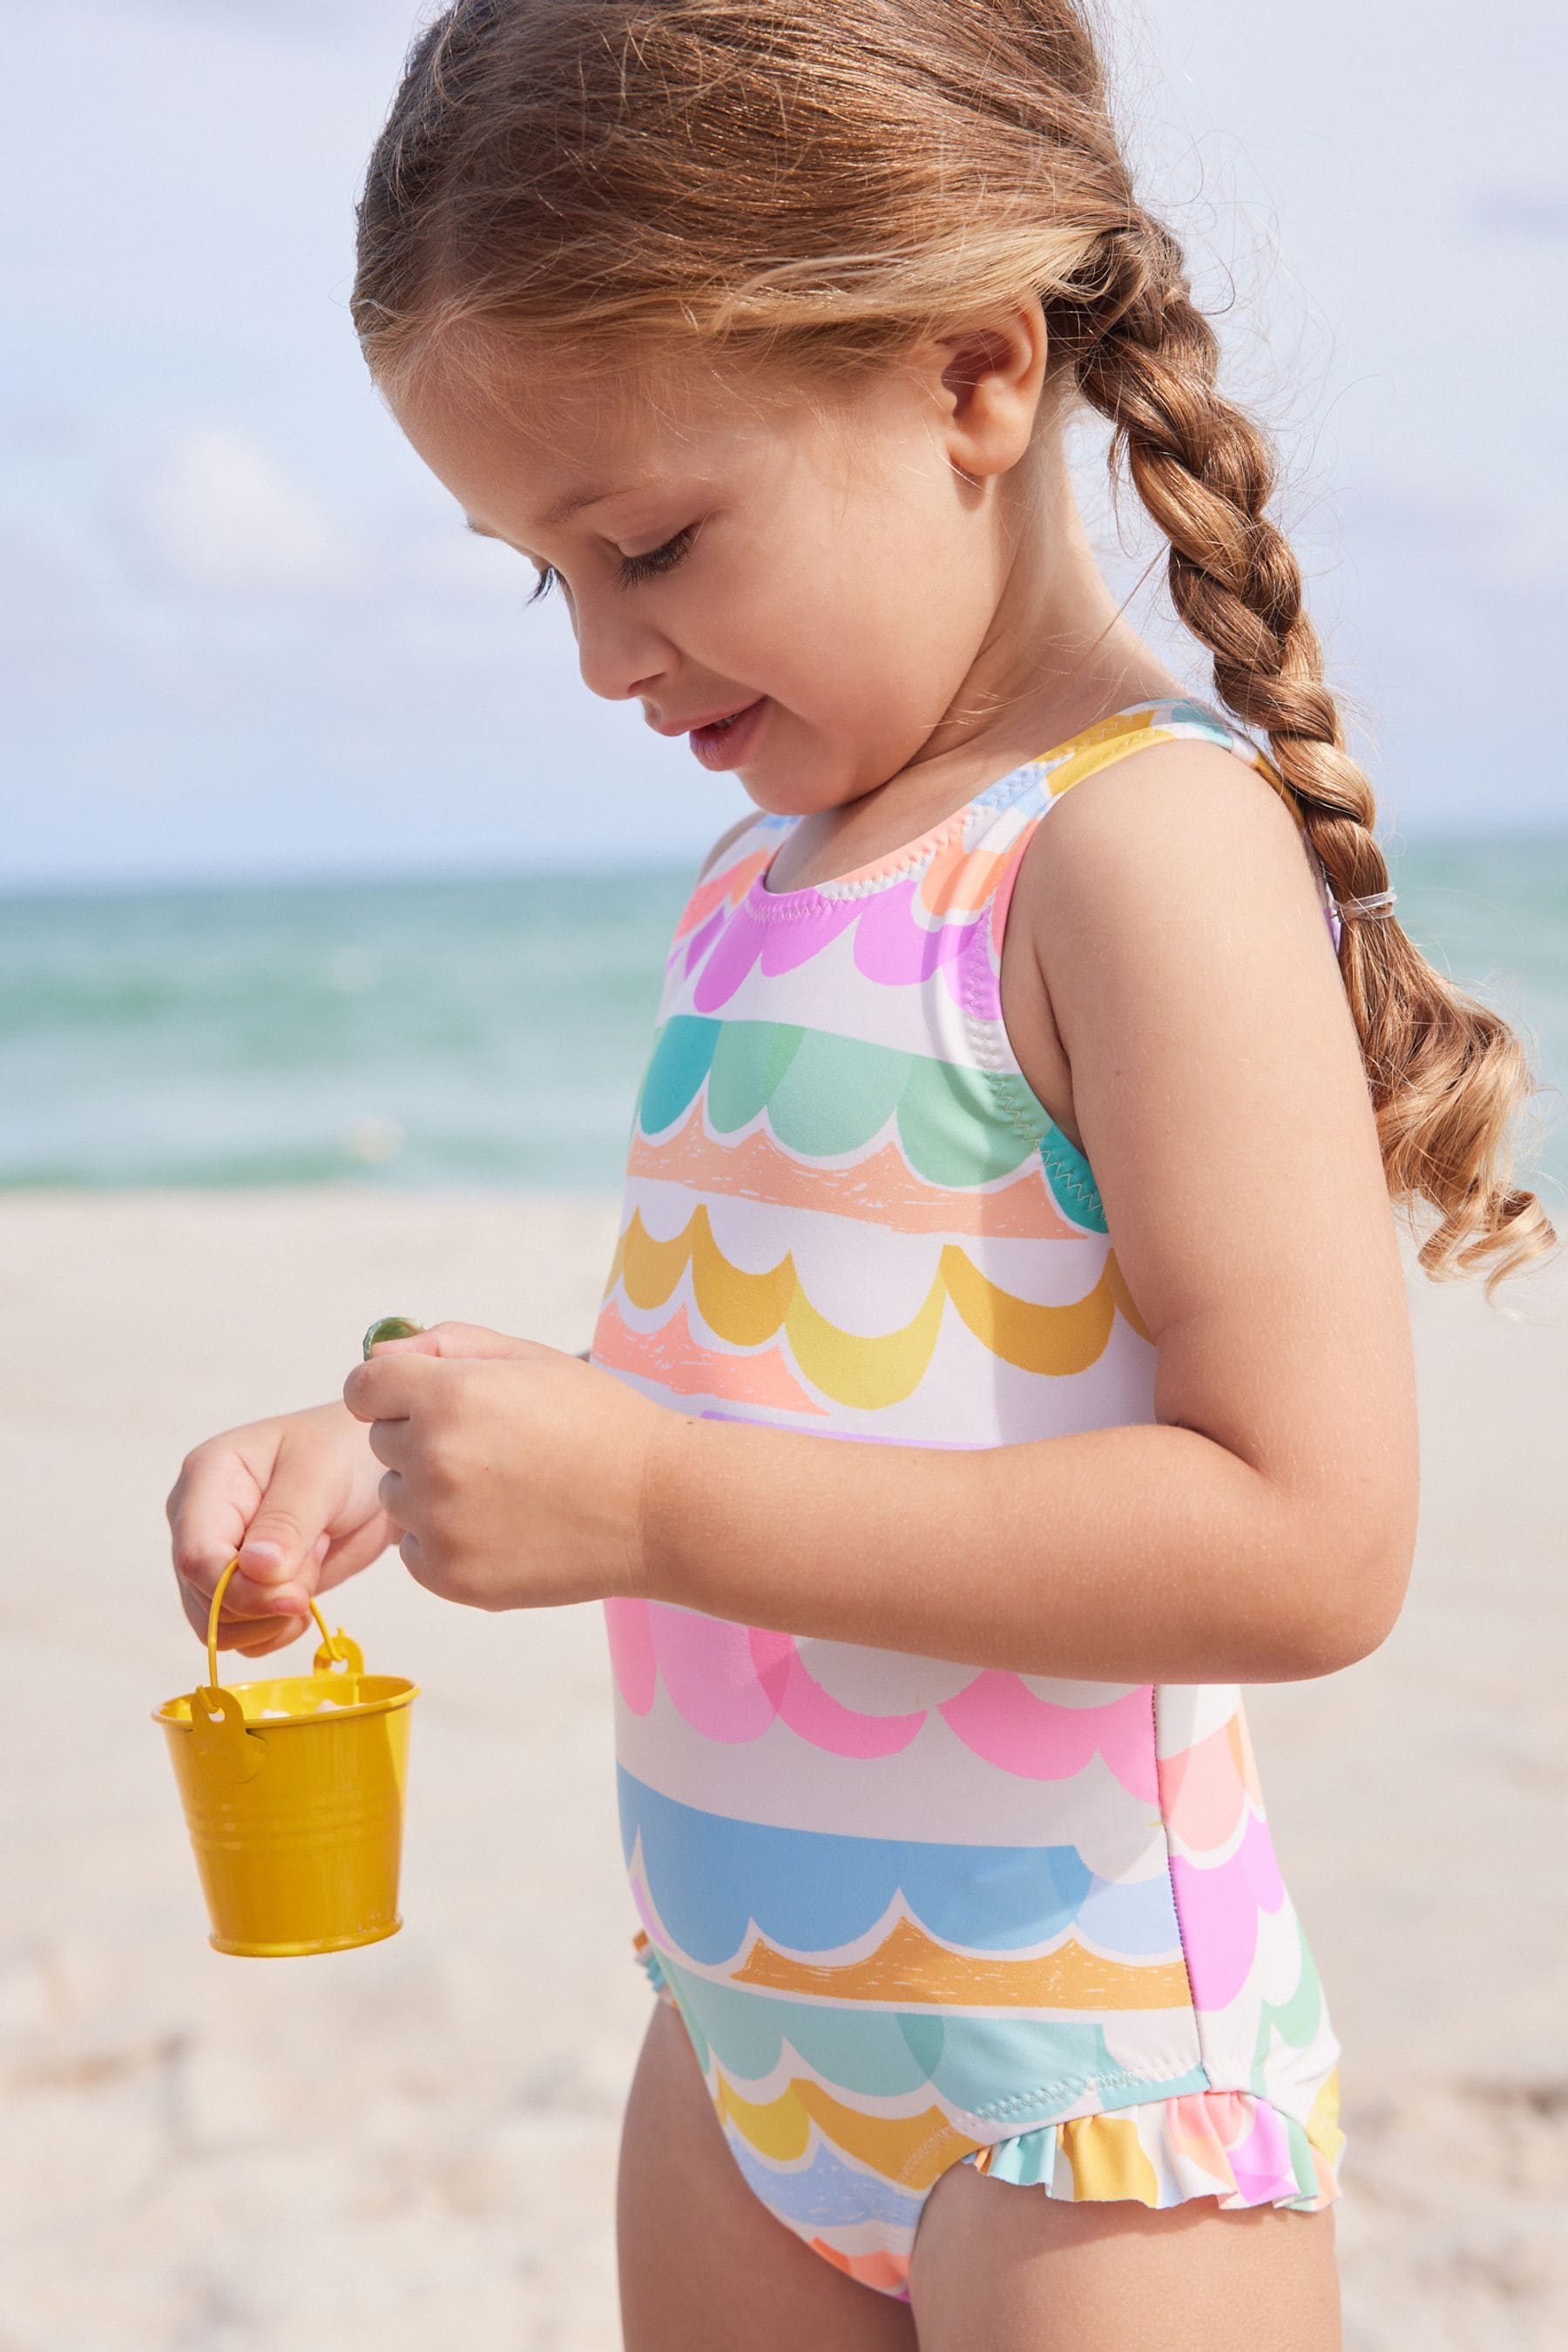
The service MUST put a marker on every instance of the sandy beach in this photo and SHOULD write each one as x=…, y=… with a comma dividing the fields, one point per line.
x=414, y=2144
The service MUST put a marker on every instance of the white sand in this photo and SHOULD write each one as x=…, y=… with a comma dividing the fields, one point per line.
x=414, y=2144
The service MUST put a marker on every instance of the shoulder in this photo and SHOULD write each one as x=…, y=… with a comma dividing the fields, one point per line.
x=1173, y=878
x=1179, y=840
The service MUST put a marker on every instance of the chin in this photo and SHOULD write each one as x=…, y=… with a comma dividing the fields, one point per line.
x=770, y=798
x=790, y=794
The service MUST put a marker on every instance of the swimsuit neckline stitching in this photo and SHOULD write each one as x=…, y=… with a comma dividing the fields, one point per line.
x=914, y=855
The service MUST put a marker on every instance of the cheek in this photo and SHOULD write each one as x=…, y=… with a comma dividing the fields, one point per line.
x=831, y=607
x=875, y=637
x=820, y=619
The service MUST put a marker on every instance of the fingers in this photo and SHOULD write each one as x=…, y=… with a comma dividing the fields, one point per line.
x=346, y=1555
x=389, y=1383
x=208, y=1509
x=253, y=1613
x=286, y=1539
x=454, y=1340
x=267, y=1496
x=266, y=1634
x=389, y=1443
x=384, y=1387
x=213, y=1500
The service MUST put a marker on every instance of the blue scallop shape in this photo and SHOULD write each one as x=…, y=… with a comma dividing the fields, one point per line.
x=683, y=1052
x=827, y=2191
x=815, y=1890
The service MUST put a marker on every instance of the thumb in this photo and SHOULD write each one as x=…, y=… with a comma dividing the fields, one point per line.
x=288, y=1538
x=471, y=1339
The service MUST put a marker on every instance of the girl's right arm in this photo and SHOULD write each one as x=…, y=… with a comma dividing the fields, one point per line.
x=298, y=1499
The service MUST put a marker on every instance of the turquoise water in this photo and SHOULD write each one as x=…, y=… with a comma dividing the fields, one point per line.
x=486, y=1032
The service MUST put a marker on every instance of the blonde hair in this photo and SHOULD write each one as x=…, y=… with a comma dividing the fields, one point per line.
x=815, y=186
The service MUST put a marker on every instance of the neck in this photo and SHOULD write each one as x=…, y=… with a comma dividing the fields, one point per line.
x=1059, y=652
x=1056, y=656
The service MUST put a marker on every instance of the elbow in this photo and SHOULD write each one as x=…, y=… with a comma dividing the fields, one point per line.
x=1360, y=1588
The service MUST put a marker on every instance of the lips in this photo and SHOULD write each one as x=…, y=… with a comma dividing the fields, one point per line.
x=722, y=747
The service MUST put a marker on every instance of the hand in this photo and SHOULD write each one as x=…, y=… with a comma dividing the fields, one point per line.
x=296, y=1498
x=517, y=1473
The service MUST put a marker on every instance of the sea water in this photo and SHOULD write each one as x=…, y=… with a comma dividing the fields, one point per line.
x=489, y=1031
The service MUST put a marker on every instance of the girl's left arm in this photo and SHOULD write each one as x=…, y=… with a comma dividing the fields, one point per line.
x=1261, y=1528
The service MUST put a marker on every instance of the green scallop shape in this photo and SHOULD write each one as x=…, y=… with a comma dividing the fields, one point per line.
x=862, y=2049
x=1296, y=2019
x=952, y=1129
x=827, y=1096
x=752, y=1059
x=838, y=1094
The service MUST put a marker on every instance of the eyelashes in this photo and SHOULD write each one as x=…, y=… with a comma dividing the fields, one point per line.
x=632, y=567
x=659, y=559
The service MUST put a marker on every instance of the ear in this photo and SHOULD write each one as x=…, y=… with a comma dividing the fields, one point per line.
x=990, y=375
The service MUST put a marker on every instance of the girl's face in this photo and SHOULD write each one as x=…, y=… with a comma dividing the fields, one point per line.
x=827, y=565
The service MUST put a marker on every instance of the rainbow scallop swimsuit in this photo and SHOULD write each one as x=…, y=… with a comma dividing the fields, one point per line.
x=911, y=1913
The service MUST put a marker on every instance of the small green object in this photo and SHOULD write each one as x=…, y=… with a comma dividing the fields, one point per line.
x=390, y=1326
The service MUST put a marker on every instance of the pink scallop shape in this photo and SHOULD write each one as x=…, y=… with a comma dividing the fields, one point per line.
x=707, y=1666
x=1218, y=1911
x=734, y=953
x=814, y=1714
x=1201, y=1794
x=1010, y=1728
x=632, y=1660
x=1195, y=2123
x=1261, y=2162
x=810, y=926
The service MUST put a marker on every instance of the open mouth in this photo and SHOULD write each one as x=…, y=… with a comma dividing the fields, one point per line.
x=725, y=741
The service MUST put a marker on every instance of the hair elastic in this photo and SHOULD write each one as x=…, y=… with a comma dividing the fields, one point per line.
x=1376, y=902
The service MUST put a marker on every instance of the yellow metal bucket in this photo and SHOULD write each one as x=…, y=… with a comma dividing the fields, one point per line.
x=293, y=1797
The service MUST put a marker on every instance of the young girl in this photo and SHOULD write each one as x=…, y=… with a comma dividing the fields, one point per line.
x=1045, y=1165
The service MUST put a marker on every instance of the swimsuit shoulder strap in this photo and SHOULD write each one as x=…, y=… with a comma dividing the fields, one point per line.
x=1126, y=732
x=1100, y=745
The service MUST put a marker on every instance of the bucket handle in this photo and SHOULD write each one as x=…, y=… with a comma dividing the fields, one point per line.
x=334, y=1651
x=227, y=1749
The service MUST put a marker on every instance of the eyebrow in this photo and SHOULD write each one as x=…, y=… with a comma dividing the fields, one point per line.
x=559, y=514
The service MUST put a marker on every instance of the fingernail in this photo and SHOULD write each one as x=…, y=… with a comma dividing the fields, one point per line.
x=262, y=1561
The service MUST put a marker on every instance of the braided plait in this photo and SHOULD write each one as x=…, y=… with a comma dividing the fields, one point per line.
x=812, y=185
x=1147, y=360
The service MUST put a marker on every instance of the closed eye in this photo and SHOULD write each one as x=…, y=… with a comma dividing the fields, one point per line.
x=657, y=559
x=632, y=567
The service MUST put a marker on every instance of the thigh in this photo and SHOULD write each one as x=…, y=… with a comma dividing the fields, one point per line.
x=1011, y=2270
x=703, y=2261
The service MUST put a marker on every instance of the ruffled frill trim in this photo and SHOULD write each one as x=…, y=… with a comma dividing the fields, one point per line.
x=1230, y=2145
x=651, y=1968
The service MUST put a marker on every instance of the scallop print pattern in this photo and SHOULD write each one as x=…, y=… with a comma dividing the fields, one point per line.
x=915, y=1913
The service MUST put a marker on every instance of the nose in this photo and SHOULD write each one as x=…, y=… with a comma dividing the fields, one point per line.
x=619, y=656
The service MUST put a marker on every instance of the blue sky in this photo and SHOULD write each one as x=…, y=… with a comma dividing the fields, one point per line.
x=242, y=632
